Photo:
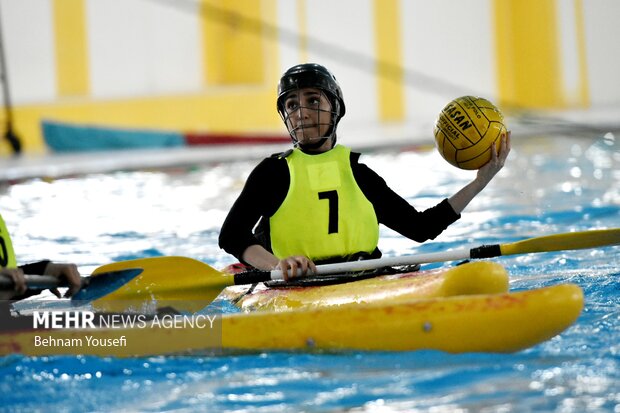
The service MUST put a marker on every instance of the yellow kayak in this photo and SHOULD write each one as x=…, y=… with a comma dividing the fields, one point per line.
x=503, y=322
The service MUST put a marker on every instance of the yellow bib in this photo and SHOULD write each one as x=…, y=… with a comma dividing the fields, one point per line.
x=325, y=213
x=7, y=255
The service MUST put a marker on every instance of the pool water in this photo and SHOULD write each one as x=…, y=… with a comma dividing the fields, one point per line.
x=551, y=184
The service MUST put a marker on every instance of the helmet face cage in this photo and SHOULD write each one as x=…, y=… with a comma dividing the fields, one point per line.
x=310, y=75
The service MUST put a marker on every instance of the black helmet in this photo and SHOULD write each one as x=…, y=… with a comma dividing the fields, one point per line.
x=312, y=75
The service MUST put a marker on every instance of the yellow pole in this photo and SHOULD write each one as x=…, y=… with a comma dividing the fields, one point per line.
x=390, y=81
x=528, y=53
x=72, y=68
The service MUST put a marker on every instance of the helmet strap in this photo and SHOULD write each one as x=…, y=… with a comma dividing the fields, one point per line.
x=311, y=146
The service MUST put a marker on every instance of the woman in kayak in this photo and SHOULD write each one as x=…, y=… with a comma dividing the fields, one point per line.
x=16, y=273
x=316, y=203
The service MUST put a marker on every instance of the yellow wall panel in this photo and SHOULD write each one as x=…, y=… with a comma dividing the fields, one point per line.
x=389, y=60
x=233, y=35
x=71, y=47
x=527, y=42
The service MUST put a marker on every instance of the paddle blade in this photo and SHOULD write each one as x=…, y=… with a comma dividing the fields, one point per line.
x=167, y=281
x=560, y=242
x=105, y=283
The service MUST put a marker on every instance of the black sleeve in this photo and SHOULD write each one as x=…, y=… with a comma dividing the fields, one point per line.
x=263, y=193
x=35, y=268
x=396, y=213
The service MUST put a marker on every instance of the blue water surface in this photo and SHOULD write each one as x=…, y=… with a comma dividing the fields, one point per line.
x=551, y=184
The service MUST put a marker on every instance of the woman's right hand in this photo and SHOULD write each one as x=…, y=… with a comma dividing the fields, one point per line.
x=260, y=258
x=295, y=263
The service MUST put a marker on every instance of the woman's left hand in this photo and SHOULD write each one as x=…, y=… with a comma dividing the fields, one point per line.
x=65, y=271
x=498, y=158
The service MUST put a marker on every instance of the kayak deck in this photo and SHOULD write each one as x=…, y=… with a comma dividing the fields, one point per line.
x=479, y=277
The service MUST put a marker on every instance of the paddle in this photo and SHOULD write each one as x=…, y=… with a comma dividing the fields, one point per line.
x=92, y=287
x=181, y=279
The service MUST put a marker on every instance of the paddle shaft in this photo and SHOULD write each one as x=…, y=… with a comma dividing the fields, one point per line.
x=251, y=277
x=36, y=282
x=363, y=265
x=548, y=243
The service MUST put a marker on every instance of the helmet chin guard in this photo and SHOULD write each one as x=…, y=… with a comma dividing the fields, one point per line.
x=311, y=75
